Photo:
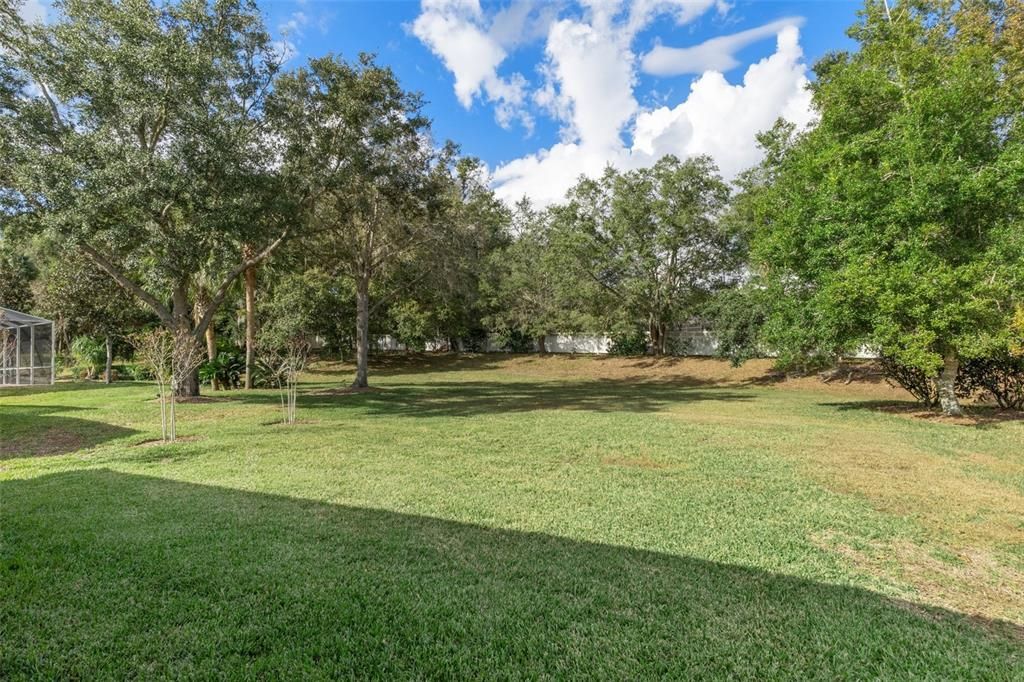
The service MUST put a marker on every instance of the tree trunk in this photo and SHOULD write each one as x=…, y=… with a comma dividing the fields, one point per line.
x=188, y=387
x=362, y=332
x=201, y=306
x=946, y=386
x=655, y=338
x=108, y=373
x=250, y=325
x=211, y=352
x=542, y=346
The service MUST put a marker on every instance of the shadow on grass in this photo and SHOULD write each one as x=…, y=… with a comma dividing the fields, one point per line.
x=115, y=575
x=31, y=431
x=398, y=364
x=467, y=399
x=979, y=416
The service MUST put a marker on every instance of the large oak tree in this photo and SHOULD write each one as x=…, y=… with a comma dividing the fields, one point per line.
x=134, y=132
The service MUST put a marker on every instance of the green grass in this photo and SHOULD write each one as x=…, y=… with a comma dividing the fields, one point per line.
x=509, y=518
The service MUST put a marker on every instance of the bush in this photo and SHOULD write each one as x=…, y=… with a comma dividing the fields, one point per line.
x=633, y=342
x=514, y=340
x=90, y=357
x=475, y=341
x=915, y=381
x=136, y=372
x=1000, y=377
x=227, y=368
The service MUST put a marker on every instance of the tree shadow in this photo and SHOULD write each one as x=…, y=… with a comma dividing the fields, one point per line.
x=112, y=575
x=978, y=416
x=398, y=364
x=36, y=431
x=467, y=399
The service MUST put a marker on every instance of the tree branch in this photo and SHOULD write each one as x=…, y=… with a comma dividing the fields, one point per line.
x=131, y=287
x=222, y=290
x=54, y=111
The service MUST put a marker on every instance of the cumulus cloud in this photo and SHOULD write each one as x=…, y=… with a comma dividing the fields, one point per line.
x=716, y=54
x=717, y=118
x=588, y=77
x=721, y=119
x=456, y=31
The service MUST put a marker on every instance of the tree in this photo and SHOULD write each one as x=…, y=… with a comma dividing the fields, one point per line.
x=530, y=287
x=286, y=334
x=82, y=299
x=171, y=356
x=142, y=144
x=357, y=147
x=652, y=240
x=18, y=274
x=898, y=216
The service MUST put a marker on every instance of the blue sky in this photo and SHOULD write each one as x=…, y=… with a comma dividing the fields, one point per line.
x=545, y=91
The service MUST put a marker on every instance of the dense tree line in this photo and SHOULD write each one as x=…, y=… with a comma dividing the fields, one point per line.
x=161, y=167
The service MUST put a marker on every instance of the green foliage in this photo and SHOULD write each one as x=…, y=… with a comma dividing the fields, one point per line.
x=135, y=134
x=226, y=368
x=1000, y=377
x=90, y=356
x=17, y=273
x=136, y=371
x=411, y=324
x=895, y=222
x=529, y=286
x=652, y=242
x=629, y=342
x=738, y=316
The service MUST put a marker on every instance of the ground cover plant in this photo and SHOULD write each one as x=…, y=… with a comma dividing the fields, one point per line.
x=512, y=516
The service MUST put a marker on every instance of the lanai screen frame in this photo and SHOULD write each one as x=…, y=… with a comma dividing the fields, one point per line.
x=15, y=322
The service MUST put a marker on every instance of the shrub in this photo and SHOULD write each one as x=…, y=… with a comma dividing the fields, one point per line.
x=514, y=340
x=1001, y=377
x=633, y=342
x=136, y=372
x=90, y=356
x=227, y=368
x=914, y=380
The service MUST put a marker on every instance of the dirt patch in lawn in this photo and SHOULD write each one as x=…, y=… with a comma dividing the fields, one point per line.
x=52, y=441
x=152, y=442
x=349, y=390
x=974, y=415
x=971, y=581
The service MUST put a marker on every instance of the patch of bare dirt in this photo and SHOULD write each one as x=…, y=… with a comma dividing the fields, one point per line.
x=158, y=441
x=349, y=390
x=973, y=416
x=971, y=581
x=53, y=441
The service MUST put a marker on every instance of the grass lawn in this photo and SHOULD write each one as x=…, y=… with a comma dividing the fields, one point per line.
x=515, y=517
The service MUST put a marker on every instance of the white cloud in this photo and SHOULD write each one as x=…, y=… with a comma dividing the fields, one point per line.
x=284, y=50
x=722, y=120
x=33, y=11
x=295, y=24
x=716, y=118
x=716, y=54
x=588, y=77
x=455, y=31
x=642, y=11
